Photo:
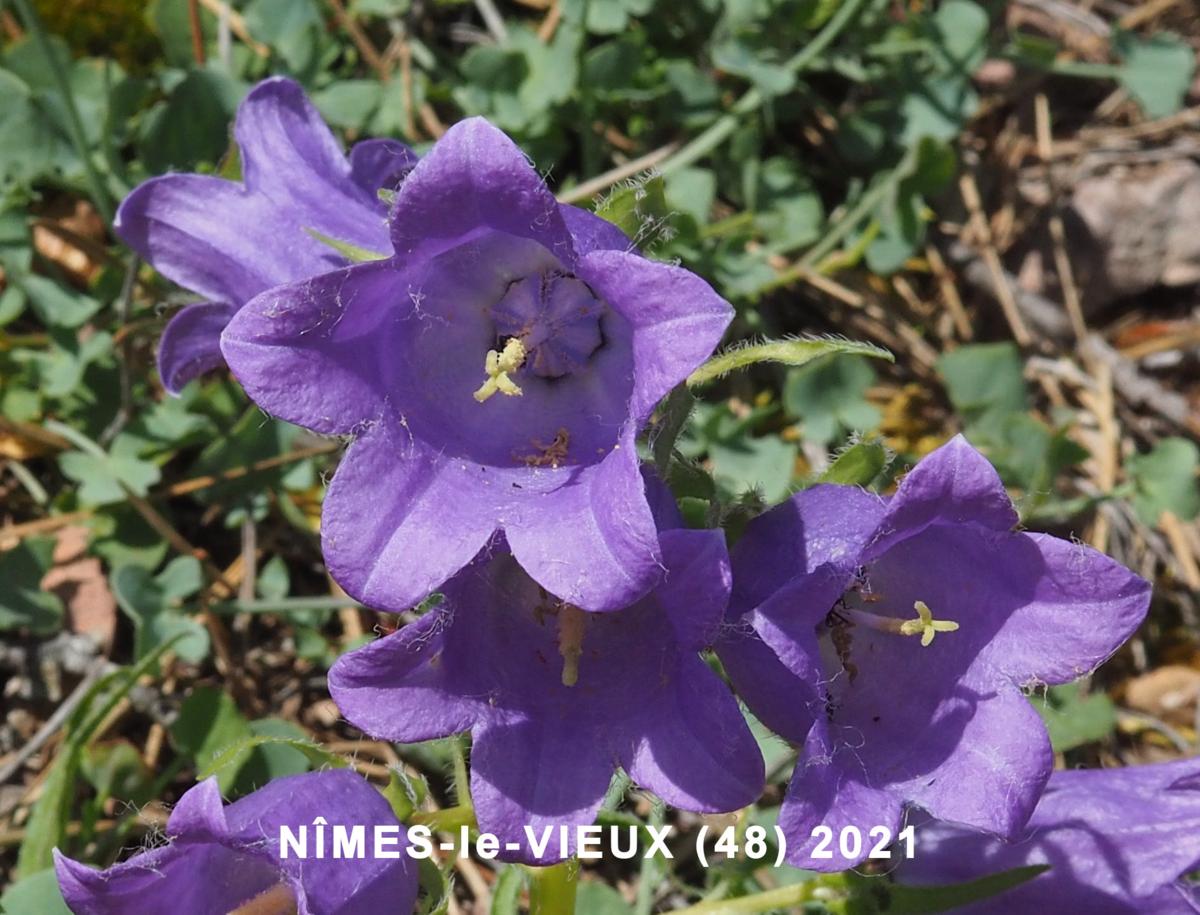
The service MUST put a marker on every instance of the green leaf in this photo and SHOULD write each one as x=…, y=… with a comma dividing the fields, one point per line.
x=638, y=209
x=103, y=478
x=828, y=397
x=349, y=103
x=169, y=20
x=278, y=748
x=673, y=414
x=937, y=107
x=770, y=78
x=765, y=464
x=117, y=770
x=61, y=369
x=35, y=145
x=212, y=731
x=1165, y=479
x=23, y=603
x=927, y=900
x=858, y=465
x=985, y=382
x=56, y=305
x=38, y=893
x=352, y=253
x=233, y=754
x=1156, y=71
x=153, y=606
x=791, y=351
x=191, y=125
x=960, y=32
x=597, y=898
x=1073, y=717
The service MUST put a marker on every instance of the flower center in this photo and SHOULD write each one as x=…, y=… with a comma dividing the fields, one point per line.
x=556, y=317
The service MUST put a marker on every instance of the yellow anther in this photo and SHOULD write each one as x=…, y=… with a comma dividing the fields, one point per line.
x=497, y=365
x=925, y=625
x=571, y=622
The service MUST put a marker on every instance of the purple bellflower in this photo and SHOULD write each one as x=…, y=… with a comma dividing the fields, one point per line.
x=494, y=372
x=555, y=698
x=893, y=639
x=1118, y=842
x=220, y=859
x=228, y=240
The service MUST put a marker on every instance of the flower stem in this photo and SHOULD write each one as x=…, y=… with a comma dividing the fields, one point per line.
x=448, y=819
x=58, y=68
x=553, y=889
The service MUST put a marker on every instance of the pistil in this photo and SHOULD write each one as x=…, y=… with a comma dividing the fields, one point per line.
x=498, y=365
x=924, y=625
x=571, y=623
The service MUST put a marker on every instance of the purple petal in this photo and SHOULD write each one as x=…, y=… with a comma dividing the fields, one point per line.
x=215, y=238
x=676, y=316
x=953, y=485
x=399, y=520
x=292, y=158
x=191, y=343
x=827, y=790
x=331, y=884
x=313, y=353
x=530, y=775
x=592, y=233
x=591, y=542
x=783, y=701
x=1004, y=756
x=1082, y=608
x=406, y=686
x=380, y=164
x=824, y=527
x=663, y=507
x=695, y=589
x=475, y=179
x=229, y=241
x=696, y=750
x=1116, y=841
x=196, y=879
x=199, y=813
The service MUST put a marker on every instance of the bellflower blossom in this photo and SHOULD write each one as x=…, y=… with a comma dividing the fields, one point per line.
x=555, y=698
x=1118, y=842
x=228, y=240
x=495, y=372
x=219, y=859
x=893, y=638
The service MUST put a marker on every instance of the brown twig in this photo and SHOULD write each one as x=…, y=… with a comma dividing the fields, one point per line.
x=549, y=25
x=600, y=183
x=1172, y=527
x=991, y=258
x=197, y=31
x=1145, y=13
x=361, y=41
x=954, y=303
x=237, y=25
x=1062, y=261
